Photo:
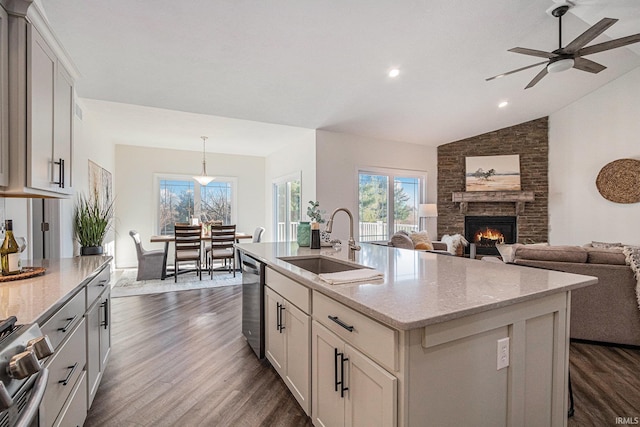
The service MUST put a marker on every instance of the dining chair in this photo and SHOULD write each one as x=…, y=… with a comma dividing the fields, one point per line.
x=188, y=247
x=150, y=263
x=257, y=235
x=222, y=240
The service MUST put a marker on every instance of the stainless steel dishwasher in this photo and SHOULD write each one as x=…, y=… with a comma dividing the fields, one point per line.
x=253, y=302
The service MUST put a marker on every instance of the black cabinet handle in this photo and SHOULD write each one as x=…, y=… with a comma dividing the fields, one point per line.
x=70, y=320
x=335, y=368
x=341, y=323
x=278, y=316
x=280, y=309
x=336, y=355
x=101, y=283
x=105, y=305
x=69, y=375
x=60, y=164
x=342, y=387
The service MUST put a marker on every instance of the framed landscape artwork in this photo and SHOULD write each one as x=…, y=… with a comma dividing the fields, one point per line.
x=100, y=183
x=493, y=173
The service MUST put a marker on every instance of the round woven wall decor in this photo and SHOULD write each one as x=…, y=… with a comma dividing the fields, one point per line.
x=619, y=181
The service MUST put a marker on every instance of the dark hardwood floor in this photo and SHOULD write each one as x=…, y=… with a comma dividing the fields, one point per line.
x=179, y=359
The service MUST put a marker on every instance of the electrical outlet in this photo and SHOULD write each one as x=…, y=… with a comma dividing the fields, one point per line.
x=503, y=353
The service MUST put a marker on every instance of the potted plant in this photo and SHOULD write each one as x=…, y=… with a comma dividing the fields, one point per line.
x=314, y=212
x=91, y=221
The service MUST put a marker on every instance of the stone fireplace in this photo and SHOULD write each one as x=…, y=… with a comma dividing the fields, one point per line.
x=486, y=231
x=529, y=207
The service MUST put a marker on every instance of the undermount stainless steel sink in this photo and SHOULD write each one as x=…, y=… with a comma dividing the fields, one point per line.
x=320, y=265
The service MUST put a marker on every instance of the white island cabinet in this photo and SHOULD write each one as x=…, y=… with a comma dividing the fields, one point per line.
x=287, y=334
x=440, y=340
x=41, y=107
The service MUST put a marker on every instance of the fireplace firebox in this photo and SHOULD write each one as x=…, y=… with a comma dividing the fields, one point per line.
x=486, y=231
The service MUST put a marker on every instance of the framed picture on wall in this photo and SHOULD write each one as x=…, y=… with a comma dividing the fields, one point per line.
x=100, y=184
x=493, y=173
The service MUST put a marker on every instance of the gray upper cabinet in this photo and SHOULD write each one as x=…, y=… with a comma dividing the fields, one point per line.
x=41, y=107
x=4, y=97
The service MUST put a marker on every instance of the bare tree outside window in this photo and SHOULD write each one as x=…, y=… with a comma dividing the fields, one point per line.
x=180, y=199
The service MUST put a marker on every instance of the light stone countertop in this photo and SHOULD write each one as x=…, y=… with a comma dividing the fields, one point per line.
x=35, y=299
x=421, y=288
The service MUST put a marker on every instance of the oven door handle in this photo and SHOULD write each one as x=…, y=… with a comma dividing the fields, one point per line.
x=37, y=393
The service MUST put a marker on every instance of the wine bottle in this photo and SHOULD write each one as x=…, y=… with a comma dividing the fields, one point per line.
x=10, y=252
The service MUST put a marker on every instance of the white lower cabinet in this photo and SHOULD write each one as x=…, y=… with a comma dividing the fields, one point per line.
x=287, y=345
x=74, y=413
x=98, y=341
x=66, y=368
x=349, y=389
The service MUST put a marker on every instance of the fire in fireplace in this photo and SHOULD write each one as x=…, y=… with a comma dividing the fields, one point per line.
x=486, y=231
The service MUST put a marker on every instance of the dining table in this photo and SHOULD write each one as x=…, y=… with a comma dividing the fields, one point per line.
x=168, y=238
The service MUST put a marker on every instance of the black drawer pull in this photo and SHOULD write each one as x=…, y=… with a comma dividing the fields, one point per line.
x=105, y=306
x=102, y=282
x=66, y=380
x=70, y=321
x=281, y=308
x=341, y=323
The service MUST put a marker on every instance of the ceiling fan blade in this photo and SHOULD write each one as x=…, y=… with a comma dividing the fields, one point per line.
x=537, y=78
x=515, y=71
x=533, y=52
x=587, y=65
x=593, y=32
x=611, y=44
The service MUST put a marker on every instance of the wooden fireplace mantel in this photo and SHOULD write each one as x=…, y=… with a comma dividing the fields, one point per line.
x=517, y=197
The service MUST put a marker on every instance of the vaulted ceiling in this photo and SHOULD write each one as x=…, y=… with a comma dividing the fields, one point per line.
x=323, y=64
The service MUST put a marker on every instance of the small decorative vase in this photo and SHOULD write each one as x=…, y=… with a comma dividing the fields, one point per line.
x=315, y=235
x=91, y=250
x=304, y=233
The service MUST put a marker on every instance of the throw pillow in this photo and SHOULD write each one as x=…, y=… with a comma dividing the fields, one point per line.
x=424, y=246
x=507, y=251
x=421, y=238
x=401, y=240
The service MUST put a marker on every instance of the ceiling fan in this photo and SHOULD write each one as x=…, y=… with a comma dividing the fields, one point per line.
x=571, y=56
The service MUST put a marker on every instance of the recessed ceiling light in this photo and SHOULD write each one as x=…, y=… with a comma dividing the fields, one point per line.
x=394, y=72
x=503, y=104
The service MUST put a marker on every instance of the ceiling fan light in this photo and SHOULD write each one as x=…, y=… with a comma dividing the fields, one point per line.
x=560, y=65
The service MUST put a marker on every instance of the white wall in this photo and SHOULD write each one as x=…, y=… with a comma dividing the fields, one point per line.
x=135, y=192
x=91, y=143
x=300, y=158
x=339, y=156
x=601, y=127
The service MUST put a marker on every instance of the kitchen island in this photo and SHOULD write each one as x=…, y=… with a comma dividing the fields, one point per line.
x=440, y=340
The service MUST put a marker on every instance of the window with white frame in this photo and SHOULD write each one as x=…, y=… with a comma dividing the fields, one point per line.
x=180, y=198
x=388, y=202
x=286, y=206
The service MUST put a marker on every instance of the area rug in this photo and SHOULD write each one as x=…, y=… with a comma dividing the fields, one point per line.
x=127, y=285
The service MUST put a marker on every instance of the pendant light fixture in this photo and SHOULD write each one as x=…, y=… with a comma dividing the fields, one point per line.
x=203, y=178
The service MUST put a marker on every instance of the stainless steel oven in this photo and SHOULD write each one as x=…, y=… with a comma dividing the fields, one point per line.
x=22, y=378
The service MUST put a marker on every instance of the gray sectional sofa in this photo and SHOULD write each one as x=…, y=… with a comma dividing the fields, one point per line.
x=607, y=311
